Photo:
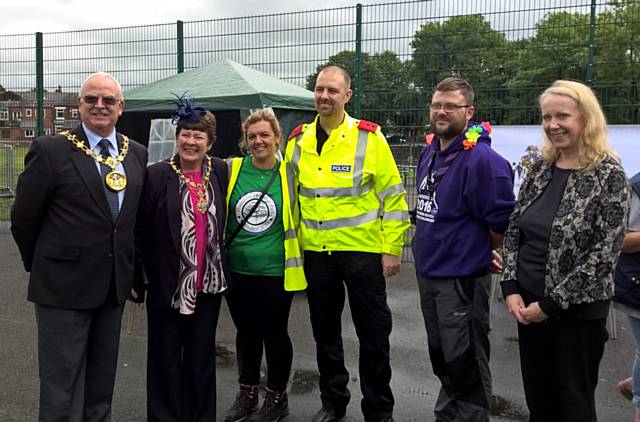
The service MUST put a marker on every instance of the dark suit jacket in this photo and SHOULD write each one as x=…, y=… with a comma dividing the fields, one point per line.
x=158, y=229
x=61, y=223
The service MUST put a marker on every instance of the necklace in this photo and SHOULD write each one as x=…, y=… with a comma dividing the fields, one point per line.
x=200, y=189
x=115, y=180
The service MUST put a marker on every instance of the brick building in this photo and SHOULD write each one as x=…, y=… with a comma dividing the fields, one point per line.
x=18, y=114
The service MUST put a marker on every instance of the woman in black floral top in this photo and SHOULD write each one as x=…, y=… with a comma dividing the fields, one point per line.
x=563, y=240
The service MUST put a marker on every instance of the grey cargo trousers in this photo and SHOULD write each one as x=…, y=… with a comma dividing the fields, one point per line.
x=456, y=316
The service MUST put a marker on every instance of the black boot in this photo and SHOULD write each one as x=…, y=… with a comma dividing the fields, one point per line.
x=274, y=408
x=246, y=403
x=326, y=414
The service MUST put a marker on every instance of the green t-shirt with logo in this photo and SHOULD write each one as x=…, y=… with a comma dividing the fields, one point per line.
x=258, y=249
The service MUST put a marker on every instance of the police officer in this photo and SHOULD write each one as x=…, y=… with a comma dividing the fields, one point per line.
x=353, y=219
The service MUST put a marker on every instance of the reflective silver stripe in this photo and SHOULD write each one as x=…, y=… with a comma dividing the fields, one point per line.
x=336, y=192
x=358, y=170
x=295, y=157
x=358, y=164
x=290, y=234
x=396, y=216
x=391, y=190
x=340, y=223
x=290, y=185
x=229, y=162
x=293, y=262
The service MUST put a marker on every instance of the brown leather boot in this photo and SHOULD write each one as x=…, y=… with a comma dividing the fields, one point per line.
x=245, y=404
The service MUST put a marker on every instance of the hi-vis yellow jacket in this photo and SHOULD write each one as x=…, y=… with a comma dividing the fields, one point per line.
x=294, y=278
x=351, y=196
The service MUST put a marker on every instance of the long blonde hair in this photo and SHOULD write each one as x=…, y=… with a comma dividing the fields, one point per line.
x=594, y=145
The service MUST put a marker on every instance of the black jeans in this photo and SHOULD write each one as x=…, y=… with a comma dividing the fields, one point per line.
x=260, y=307
x=361, y=273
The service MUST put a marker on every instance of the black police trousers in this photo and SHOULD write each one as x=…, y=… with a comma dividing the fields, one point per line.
x=361, y=273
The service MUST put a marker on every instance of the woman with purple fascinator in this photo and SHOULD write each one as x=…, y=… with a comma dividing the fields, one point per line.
x=180, y=231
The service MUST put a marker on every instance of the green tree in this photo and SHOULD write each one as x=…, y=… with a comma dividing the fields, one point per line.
x=617, y=61
x=468, y=47
x=557, y=50
x=385, y=89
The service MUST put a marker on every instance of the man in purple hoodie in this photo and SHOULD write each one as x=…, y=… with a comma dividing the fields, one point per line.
x=465, y=197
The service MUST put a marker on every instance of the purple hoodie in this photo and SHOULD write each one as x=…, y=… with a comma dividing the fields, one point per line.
x=474, y=195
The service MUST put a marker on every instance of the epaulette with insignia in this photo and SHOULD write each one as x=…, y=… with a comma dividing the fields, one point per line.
x=297, y=131
x=368, y=126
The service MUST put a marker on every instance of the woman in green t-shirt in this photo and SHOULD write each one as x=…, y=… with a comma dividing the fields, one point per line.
x=266, y=267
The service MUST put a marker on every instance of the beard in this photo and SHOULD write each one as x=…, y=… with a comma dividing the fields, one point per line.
x=453, y=129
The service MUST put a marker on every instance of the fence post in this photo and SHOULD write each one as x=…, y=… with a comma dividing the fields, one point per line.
x=180, y=45
x=39, y=85
x=10, y=163
x=358, y=76
x=592, y=42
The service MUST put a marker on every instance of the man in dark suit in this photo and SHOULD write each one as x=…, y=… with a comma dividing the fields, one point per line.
x=73, y=220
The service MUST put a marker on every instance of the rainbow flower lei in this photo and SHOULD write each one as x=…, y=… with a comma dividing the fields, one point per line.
x=473, y=133
x=474, y=130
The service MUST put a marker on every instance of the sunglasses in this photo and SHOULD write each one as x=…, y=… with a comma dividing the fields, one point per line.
x=108, y=100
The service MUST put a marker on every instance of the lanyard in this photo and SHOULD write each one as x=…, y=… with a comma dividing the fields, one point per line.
x=442, y=170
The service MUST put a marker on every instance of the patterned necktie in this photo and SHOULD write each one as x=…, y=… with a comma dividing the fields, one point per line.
x=112, y=197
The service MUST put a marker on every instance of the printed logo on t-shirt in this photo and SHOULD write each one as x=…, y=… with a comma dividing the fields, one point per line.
x=262, y=218
x=340, y=168
x=426, y=205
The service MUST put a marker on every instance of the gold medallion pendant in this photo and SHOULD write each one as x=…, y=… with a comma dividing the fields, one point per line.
x=202, y=202
x=200, y=189
x=116, y=181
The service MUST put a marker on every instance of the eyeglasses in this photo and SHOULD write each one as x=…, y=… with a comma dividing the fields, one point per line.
x=448, y=107
x=93, y=99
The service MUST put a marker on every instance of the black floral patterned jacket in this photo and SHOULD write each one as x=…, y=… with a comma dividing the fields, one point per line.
x=586, y=233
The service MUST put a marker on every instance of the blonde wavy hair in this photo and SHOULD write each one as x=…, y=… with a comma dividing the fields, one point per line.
x=265, y=115
x=594, y=144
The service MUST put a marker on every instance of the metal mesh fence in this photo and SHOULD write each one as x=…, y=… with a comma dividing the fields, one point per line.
x=133, y=55
x=510, y=50
x=289, y=46
x=17, y=66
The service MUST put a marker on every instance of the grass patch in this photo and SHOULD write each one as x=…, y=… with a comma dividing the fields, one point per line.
x=5, y=209
x=11, y=165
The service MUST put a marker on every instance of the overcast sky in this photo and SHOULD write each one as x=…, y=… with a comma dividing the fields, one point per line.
x=29, y=16
x=390, y=26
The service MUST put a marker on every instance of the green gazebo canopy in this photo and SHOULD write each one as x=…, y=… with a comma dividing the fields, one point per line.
x=223, y=85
